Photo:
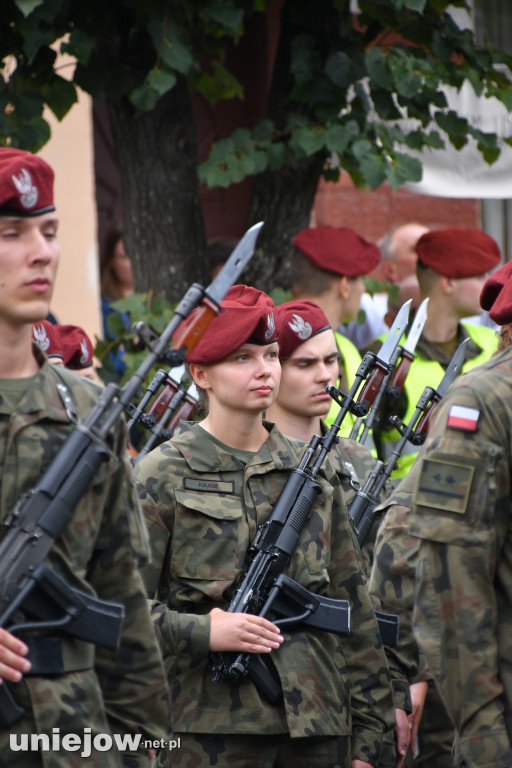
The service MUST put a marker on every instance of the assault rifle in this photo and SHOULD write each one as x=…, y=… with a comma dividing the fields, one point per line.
x=364, y=503
x=32, y=596
x=266, y=590
x=394, y=381
x=171, y=402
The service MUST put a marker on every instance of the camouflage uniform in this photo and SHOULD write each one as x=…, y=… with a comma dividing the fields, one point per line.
x=462, y=514
x=203, y=507
x=353, y=463
x=392, y=589
x=107, y=691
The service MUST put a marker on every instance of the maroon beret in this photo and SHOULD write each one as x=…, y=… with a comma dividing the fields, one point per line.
x=496, y=296
x=47, y=337
x=26, y=184
x=338, y=249
x=458, y=252
x=77, y=346
x=298, y=321
x=247, y=316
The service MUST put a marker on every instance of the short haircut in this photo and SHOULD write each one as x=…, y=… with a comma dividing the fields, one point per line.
x=427, y=277
x=308, y=279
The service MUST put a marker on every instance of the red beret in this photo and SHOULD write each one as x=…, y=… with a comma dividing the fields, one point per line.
x=47, y=337
x=458, y=252
x=248, y=316
x=339, y=250
x=26, y=184
x=298, y=321
x=496, y=296
x=77, y=347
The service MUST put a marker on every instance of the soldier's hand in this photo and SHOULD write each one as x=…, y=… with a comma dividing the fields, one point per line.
x=242, y=632
x=12, y=657
x=418, y=694
x=402, y=735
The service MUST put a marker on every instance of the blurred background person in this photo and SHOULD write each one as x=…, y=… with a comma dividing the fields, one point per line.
x=116, y=282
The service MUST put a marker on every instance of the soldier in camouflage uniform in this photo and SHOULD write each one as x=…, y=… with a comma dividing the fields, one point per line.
x=66, y=685
x=462, y=515
x=204, y=493
x=308, y=353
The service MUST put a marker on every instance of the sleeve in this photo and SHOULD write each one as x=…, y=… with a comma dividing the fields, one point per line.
x=392, y=586
x=132, y=678
x=462, y=622
x=371, y=697
x=173, y=628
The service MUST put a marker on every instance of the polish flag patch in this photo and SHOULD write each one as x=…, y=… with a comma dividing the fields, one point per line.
x=463, y=417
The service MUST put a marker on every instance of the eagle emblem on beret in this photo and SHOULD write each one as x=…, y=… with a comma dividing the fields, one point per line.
x=271, y=326
x=26, y=188
x=84, y=357
x=41, y=337
x=301, y=327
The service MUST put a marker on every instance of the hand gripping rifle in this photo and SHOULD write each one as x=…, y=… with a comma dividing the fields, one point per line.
x=265, y=590
x=394, y=381
x=362, y=508
x=27, y=586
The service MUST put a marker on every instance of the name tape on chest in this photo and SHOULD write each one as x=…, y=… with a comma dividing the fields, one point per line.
x=463, y=417
x=208, y=486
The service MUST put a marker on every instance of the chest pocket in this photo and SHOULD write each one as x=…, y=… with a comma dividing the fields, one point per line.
x=206, y=536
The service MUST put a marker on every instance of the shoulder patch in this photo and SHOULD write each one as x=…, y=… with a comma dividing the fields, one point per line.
x=207, y=486
x=464, y=418
x=444, y=486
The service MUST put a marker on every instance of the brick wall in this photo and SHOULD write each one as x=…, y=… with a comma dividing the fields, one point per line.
x=372, y=213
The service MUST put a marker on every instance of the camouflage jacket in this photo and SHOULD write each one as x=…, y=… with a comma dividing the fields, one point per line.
x=462, y=514
x=203, y=506
x=353, y=463
x=392, y=582
x=98, y=552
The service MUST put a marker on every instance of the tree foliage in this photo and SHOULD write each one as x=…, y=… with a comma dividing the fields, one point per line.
x=351, y=93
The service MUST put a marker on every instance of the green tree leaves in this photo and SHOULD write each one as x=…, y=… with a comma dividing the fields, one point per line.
x=361, y=92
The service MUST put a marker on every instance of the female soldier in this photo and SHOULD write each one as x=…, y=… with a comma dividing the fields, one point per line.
x=204, y=493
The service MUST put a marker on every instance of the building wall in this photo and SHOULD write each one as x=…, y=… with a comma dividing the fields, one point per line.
x=70, y=153
x=373, y=213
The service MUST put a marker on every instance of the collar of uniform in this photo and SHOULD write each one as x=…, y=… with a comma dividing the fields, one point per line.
x=203, y=455
x=429, y=351
x=42, y=399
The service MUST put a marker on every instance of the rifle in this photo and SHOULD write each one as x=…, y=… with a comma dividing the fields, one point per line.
x=41, y=515
x=265, y=590
x=394, y=381
x=364, y=503
x=172, y=404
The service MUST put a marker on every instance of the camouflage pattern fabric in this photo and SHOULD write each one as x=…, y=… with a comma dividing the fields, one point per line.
x=392, y=582
x=99, y=553
x=392, y=589
x=353, y=463
x=203, y=750
x=203, y=507
x=462, y=514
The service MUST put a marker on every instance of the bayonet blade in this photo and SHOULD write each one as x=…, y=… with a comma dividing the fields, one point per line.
x=453, y=369
x=395, y=333
x=416, y=328
x=234, y=266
